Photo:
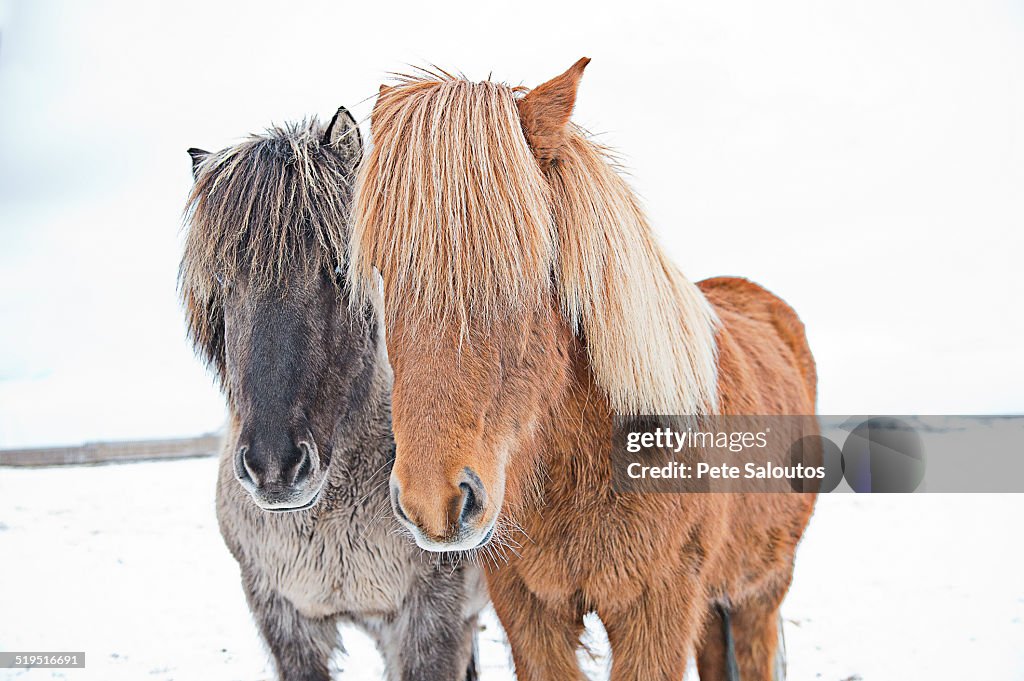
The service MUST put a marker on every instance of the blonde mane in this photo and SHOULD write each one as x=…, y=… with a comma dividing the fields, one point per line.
x=649, y=331
x=455, y=212
x=450, y=206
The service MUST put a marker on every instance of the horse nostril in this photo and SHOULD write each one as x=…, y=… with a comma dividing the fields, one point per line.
x=396, y=503
x=304, y=468
x=473, y=496
x=277, y=466
x=243, y=469
x=469, y=502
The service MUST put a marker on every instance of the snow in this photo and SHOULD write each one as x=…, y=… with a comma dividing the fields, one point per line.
x=125, y=562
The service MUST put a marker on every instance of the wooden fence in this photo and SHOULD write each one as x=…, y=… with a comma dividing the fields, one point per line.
x=113, y=452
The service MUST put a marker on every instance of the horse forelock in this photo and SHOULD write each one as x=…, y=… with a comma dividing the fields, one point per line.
x=264, y=209
x=450, y=207
x=457, y=215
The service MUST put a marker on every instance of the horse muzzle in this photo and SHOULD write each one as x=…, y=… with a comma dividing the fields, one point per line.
x=281, y=478
x=457, y=519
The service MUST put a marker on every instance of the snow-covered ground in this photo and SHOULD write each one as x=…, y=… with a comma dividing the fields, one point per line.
x=125, y=563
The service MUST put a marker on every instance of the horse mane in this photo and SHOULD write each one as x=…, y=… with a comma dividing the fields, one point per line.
x=263, y=209
x=450, y=206
x=455, y=212
x=649, y=331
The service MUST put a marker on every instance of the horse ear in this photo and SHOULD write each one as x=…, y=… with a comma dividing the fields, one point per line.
x=343, y=135
x=381, y=94
x=545, y=110
x=198, y=156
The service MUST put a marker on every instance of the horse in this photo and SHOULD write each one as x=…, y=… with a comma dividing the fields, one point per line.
x=302, y=502
x=530, y=316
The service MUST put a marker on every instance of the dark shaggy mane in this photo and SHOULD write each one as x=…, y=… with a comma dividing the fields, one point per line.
x=266, y=208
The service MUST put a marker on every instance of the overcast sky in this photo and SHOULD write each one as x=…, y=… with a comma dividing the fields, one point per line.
x=863, y=160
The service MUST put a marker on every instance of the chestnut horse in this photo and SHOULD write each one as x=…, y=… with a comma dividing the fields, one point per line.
x=529, y=314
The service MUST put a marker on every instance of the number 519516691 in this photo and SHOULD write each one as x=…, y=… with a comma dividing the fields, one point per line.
x=41, y=660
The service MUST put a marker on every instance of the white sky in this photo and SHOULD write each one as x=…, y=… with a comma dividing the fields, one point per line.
x=863, y=160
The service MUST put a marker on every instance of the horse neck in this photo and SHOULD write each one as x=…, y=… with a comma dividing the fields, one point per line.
x=576, y=438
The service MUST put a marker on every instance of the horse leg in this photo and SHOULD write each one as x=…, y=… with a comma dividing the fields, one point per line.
x=760, y=650
x=653, y=638
x=713, y=655
x=473, y=666
x=412, y=655
x=543, y=639
x=301, y=646
x=431, y=638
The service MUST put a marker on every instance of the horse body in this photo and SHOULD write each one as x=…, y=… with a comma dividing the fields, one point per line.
x=301, y=491
x=530, y=314
x=658, y=564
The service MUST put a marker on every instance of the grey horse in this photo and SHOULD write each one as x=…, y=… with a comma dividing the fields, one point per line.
x=302, y=495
